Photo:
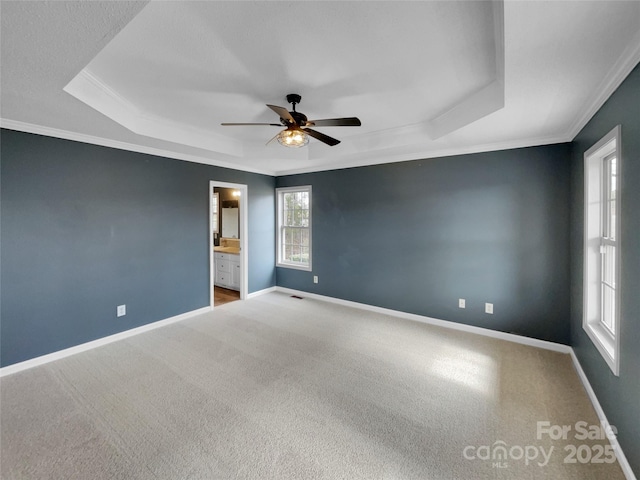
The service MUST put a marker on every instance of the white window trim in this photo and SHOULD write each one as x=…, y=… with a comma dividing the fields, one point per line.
x=279, y=194
x=215, y=199
x=608, y=344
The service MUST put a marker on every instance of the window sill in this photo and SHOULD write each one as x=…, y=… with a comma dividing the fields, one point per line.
x=294, y=266
x=604, y=343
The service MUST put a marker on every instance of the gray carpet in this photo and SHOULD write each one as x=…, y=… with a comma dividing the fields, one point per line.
x=280, y=388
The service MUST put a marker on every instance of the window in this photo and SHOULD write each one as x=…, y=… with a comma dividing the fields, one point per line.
x=601, y=316
x=215, y=198
x=294, y=227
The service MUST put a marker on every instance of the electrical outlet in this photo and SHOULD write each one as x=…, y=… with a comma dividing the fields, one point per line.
x=462, y=303
x=488, y=308
x=315, y=279
x=122, y=310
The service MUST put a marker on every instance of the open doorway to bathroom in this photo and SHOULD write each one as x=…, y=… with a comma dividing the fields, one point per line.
x=228, y=242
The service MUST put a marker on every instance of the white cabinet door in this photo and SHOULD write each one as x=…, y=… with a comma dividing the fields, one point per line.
x=235, y=274
x=227, y=270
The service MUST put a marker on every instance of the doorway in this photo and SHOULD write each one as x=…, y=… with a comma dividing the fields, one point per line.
x=228, y=242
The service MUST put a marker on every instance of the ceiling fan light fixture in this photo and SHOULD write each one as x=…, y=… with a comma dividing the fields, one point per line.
x=297, y=133
x=293, y=138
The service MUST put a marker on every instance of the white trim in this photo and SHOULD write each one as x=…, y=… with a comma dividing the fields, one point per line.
x=510, y=337
x=556, y=347
x=215, y=195
x=622, y=459
x=409, y=153
x=365, y=159
x=83, y=347
x=607, y=345
x=279, y=196
x=261, y=292
x=617, y=74
x=106, y=142
x=244, y=238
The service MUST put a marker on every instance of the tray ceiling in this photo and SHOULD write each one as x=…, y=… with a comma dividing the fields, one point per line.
x=426, y=78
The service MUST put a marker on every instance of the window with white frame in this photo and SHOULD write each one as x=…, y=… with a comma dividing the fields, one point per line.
x=294, y=227
x=601, y=315
x=215, y=199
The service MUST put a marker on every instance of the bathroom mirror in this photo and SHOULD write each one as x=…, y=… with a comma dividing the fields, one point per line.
x=230, y=222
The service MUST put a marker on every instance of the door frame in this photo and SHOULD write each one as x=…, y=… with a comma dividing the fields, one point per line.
x=244, y=238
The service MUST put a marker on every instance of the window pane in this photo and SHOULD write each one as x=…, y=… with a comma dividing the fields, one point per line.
x=608, y=307
x=599, y=287
x=612, y=219
x=608, y=287
x=609, y=265
x=609, y=196
x=214, y=212
x=294, y=230
x=304, y=254
x=295, y=220
x=612, y=196
x=288, y=236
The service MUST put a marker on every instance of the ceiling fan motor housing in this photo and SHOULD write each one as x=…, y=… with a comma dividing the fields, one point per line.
x=296, y=124
x=300, y=118
x=294, y=98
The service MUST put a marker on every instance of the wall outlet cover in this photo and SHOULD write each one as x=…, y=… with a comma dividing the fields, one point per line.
x=488, y=307
x=462, y=303
x=122, y=310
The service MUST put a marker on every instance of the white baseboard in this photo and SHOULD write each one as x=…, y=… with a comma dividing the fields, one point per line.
x=261, y=292
x=83, y=347
x=511, y=337
x=622, y=459
x=557, y=347
x=50, y=357
x=533, y=342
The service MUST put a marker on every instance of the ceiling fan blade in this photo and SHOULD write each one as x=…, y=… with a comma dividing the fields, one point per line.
x=336, y=122
x=283, y=113
x=322, y=137
x=236, y=124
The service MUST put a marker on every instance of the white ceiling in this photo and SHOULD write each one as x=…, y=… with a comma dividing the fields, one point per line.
x=426, y=78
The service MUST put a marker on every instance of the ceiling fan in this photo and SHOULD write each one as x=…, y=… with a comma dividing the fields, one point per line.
x=297, y=126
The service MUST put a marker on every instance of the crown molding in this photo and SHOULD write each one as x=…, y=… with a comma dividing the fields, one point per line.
x=107, y=142
x=388, y=156
x=364, y=160
x=620, y=70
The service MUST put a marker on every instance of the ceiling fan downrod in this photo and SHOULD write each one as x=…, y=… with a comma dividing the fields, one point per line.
x=294, y=98
x=296, y=124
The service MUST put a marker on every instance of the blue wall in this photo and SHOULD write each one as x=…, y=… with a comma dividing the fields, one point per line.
x=86, y=228
x=416, y=236
x=619, y=396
